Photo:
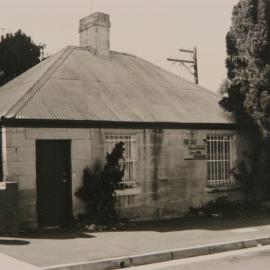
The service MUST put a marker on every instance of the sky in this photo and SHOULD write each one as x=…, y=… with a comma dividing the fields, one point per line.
x=151, y=29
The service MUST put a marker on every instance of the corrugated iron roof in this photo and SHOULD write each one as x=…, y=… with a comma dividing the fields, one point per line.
x=74, y=84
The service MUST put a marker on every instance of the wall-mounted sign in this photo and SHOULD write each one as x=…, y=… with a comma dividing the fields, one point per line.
x=2, y=185
x=195, y=152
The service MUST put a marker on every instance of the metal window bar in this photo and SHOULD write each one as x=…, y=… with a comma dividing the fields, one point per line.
x=220, y=160
x=129, y=154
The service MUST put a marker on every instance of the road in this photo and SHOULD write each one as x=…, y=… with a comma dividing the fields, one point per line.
x=246, y=259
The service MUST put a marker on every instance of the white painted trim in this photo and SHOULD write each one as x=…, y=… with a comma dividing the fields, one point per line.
x=4, y=153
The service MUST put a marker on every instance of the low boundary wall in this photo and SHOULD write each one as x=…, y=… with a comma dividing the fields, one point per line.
x=8, y=207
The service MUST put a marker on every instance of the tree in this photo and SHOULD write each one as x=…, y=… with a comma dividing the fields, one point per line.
x=18, y=53
x=99, y=186
x=111, y=176
x=247, y=93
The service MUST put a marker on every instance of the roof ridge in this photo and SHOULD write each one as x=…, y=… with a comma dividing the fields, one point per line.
x=22, y=102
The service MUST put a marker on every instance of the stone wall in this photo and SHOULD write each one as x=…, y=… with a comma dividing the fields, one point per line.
x=20, y=164
x=8, y=207
x=167, y=184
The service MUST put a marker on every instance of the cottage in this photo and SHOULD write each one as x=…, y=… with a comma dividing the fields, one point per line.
x=67, y=112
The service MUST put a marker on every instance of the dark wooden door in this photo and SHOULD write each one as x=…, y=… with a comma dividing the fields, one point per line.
x=53, y=182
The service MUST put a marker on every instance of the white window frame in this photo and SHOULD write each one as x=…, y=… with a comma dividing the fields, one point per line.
x=129, y=160
x=221, y=157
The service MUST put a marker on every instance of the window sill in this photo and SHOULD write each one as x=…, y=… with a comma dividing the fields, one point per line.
x=128, y=191
x=222, y=189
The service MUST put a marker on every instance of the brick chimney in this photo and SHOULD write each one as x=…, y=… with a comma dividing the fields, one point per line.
x=95, y=34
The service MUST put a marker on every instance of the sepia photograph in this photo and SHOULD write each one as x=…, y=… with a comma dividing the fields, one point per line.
x=134, y=134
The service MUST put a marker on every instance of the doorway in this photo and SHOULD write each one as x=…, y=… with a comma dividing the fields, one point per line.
x=53, y=165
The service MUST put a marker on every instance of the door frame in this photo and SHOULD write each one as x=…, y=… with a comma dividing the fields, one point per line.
x=70, y=186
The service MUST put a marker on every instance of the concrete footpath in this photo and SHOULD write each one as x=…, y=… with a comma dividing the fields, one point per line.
x=148, y=243
x=9, y=263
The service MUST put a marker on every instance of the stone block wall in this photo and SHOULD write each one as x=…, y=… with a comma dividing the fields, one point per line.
x=20, y=164
x=167, y=184
x=8, y=208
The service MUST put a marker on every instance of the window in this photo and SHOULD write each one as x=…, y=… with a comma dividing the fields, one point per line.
x=221, y=159
x=129, y=155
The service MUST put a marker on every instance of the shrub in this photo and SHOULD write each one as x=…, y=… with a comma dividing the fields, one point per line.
x=222, y=207
x=90, y=193
x=244, y=177
x=98, y=190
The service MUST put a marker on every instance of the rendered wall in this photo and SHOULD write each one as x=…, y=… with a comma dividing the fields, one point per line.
x=168, y=184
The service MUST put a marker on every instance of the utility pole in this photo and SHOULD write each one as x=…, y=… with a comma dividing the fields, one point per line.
x=189, y=64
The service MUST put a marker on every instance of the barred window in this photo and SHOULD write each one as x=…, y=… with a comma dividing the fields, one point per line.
x=129, y=154
x=221, y=159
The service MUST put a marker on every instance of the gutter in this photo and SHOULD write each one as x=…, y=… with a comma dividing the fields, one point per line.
x=53, y=123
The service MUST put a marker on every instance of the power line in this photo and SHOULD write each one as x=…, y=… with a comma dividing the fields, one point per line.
x=189, y=64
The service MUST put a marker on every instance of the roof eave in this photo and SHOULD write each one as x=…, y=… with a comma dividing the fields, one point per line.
x=53, y=123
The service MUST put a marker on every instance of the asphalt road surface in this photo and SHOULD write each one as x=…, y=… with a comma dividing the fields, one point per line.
x=245, y=259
